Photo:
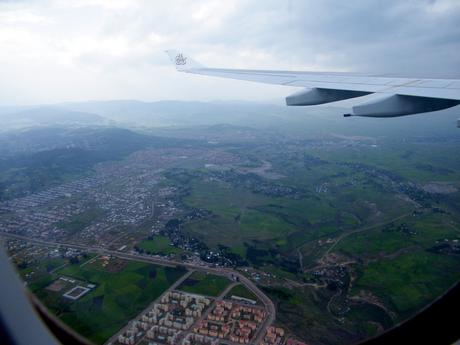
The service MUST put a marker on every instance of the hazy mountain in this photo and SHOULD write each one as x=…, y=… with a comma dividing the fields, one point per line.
x=34, y=159
x=301, y=121
x=181, y=113
x=47, y=116
x=318, y=118
x=113, y=139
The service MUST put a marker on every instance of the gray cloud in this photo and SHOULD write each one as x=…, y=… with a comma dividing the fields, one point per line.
x=94, y=49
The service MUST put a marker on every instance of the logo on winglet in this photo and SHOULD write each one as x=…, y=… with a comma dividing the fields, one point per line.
x=180, y=59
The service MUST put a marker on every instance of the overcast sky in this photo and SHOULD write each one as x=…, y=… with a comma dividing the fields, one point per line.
x=63, y=50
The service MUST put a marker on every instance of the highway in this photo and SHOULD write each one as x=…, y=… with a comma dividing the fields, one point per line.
x=229, y=273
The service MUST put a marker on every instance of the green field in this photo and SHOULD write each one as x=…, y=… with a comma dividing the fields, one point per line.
x=408, y=160
x=271, y=230
x=204, y=284
x=410, y=280
x=302, y=312
x=119, y=296
x=242, y=291
x=237, y=217
x=242, y=217
x=420, y=231
x=399, y=265
x=158, y=245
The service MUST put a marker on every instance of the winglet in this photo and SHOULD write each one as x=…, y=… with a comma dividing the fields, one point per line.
x=181, y=61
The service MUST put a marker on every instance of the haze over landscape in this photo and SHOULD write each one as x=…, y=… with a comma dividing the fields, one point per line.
x=327, y=215
x=145, y=206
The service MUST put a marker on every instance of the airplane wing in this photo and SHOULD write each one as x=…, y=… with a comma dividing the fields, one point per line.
x=399, y=96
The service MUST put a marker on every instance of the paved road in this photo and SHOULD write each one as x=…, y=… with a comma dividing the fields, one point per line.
x=229, y=273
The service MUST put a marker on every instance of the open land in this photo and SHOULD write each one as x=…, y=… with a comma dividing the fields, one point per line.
x=117, y=291
x=204, y=284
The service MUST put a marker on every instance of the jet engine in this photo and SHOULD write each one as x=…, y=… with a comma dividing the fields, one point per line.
x=398, y=105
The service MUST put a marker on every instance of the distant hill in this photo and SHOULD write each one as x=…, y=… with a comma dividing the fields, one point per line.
x=48, y=116
x=310, y=120
x=181, y=113
x=112, y=141
x=35, y=159
x=302, y=121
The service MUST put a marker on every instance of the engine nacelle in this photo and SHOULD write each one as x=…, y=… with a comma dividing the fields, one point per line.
x=398, y=105
x=321, y=96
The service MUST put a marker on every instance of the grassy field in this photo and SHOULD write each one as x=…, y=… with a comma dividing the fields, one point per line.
x=241, y=216
x=420, y=231
x=242, y=219
x=204, y=284
x=237, y=217
x=409, y=281
x=241, y=291
x=398, y=264
x=302, y=312
x=158, y=245
x=410, y=161
x=365, y=316
x=120, y=294
x=41, y=276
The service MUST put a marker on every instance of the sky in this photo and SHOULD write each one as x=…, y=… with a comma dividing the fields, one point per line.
x=61, y=50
